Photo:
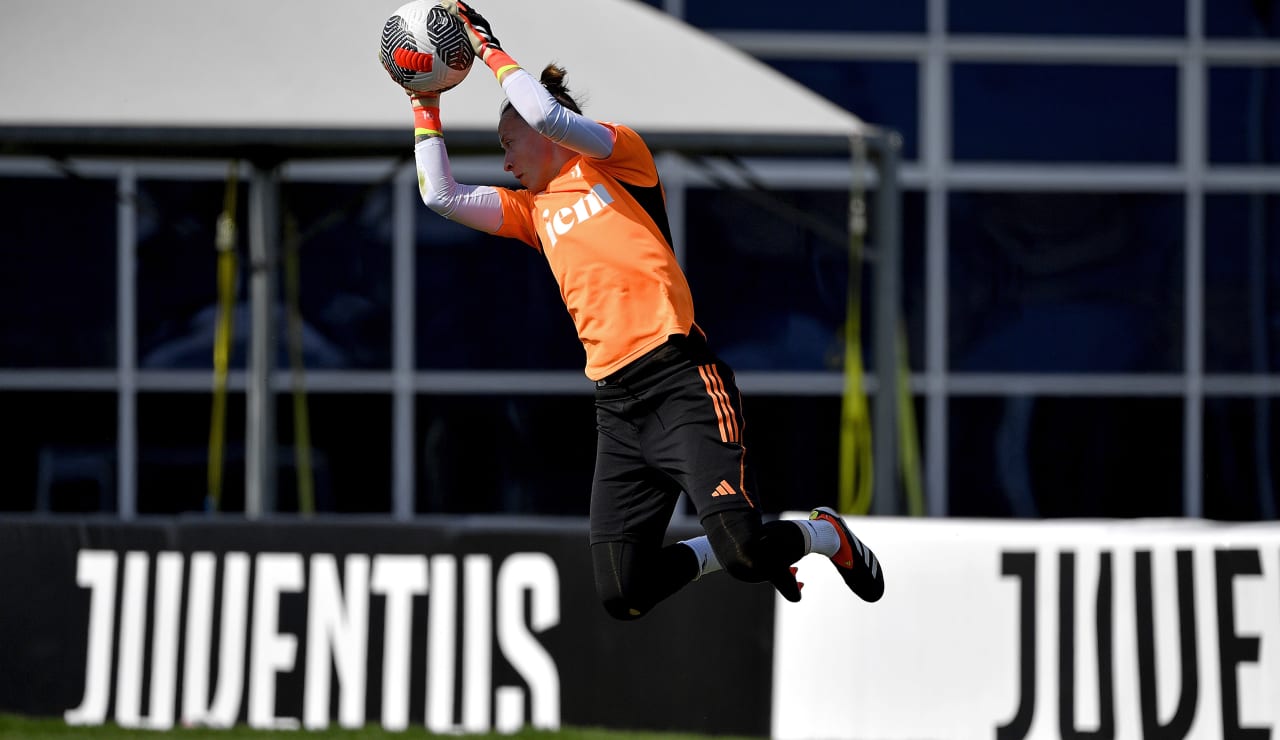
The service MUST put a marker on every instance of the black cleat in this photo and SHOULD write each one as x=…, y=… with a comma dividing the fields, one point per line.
x=856, y=563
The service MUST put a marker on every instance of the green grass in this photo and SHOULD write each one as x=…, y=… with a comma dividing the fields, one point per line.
x=13, y=727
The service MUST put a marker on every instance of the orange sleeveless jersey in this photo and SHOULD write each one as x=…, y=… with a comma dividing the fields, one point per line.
x=617, y=275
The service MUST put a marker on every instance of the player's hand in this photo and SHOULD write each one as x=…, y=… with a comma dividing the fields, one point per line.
x=478, y=29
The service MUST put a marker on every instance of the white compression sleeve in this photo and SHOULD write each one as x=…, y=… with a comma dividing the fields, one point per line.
x=554, y=121
x=476, y=206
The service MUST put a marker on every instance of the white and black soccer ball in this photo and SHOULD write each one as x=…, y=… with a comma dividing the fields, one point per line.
x=424, y=48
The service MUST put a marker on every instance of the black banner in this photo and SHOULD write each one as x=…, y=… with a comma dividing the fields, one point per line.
x=456, y=624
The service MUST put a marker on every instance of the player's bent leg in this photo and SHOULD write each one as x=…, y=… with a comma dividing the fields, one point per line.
x=631, y=579
x=754, y=551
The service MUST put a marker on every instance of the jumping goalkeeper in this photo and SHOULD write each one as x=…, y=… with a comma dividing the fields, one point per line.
x=668, y=411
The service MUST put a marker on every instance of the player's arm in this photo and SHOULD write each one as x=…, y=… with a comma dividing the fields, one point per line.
x=530, y=99
x=548, y=117
x=476, y=206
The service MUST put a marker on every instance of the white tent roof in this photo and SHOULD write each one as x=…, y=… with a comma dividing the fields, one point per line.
x=298, y=73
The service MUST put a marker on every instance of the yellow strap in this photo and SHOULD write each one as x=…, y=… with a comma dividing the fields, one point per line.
x=225, y=243
x=301, y=418
x=502, y=71
x=908, y=441
x=856, y=459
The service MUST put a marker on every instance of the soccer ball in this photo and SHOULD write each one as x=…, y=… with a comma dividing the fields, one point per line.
x=424, y=48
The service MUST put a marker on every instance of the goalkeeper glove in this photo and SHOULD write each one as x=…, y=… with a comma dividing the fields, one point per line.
x=480, y=34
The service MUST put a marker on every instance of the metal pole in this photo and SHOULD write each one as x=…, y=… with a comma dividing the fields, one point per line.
x=403, y=503
x=260, y=463
x=126, y=360
x=888, y=269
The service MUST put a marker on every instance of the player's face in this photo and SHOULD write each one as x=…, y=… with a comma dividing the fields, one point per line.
x=531, y=157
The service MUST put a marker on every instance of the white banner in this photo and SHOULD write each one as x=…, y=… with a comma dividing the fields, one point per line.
x=1017, y=629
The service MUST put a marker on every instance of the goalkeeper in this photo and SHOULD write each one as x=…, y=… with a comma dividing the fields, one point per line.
x=668, y=411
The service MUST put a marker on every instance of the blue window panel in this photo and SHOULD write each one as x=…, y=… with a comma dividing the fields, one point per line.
x=505, y=453
x=58, y=450
x=1065, y=282
x=173, y=451
x=58, y=273
x=487, y=302
x=1083, y=17
x=770, y=284
x=350, y=447
x=492, y=454
x=344, y=260
x=1064, y=113
x=177, y=285
x=1242, y=18
x=1049, y=457
x=1242, y=283
x=907, y=16
x=345, y=265
x=769, y=273
x=1244, y=115
x=881, y=93
x=1241, y=479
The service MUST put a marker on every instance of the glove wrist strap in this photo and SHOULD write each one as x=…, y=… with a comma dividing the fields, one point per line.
x=499, y=61
x=426, y=121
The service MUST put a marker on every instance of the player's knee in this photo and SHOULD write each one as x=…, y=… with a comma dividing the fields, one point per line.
x=621, y=608
x=737, y=542
x=741, y=563
x=619, y=582
x=619, y=604
x=738, y=556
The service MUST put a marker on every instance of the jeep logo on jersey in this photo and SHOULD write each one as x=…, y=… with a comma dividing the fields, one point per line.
x=558, y=224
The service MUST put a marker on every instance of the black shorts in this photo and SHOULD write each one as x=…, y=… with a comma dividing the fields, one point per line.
x=669, y=422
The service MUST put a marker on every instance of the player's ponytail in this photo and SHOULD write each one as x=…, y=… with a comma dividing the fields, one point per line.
x=553, y=79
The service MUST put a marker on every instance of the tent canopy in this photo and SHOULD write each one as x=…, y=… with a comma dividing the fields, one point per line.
x=300, y=77
x=268, y=80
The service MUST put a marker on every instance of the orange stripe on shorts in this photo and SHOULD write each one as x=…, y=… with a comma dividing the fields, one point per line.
x=724, y=410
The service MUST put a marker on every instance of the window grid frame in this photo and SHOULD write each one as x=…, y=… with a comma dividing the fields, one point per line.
x=934, y=172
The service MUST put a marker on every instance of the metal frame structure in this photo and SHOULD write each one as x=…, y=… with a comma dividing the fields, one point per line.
x=934, y=173
x=261, y=381
x=241, y=115
x=937, y=174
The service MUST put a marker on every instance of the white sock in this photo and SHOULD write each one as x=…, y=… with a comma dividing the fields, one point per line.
x=821, y=534
x=701, y=547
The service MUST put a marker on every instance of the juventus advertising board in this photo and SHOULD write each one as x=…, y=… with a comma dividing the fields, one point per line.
x=455, y=625
x=1010, y=630
x=1004, y=630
